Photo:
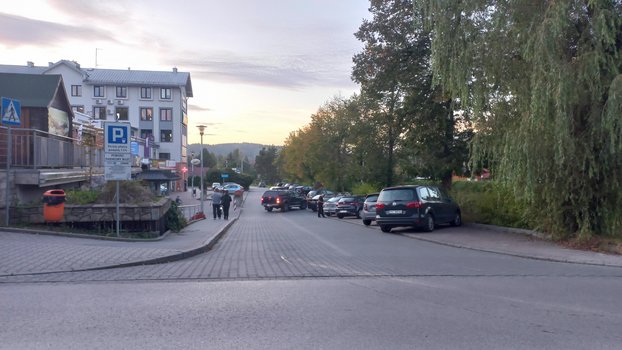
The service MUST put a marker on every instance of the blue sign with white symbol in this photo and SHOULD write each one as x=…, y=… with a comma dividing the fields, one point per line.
x=11, y=111
x=117, y=134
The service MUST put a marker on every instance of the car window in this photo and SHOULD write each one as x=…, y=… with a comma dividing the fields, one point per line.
x=424, y=194
x=405, y=194
x=371, y=198
x=435, y=194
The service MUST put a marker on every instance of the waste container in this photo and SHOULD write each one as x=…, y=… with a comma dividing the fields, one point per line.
x=53, y=205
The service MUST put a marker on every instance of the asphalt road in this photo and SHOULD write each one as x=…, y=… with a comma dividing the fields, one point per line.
x=295, y=281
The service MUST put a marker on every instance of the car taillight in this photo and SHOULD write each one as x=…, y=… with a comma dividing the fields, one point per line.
x=413, y=205
x=379, y=206
x=261, y=200
x=278, y=200
x=365, y=206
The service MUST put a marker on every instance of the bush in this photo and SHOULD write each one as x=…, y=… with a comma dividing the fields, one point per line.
x=488, y=202
x=365, y=188
x=175, y=220
x=81, y=197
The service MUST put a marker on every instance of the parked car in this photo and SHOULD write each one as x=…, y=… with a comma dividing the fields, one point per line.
x=330, y=206
x=418, y=206
x=261, y=184
x=283, y=200
x=350, y=206
x=234, y=189
x=368, y=214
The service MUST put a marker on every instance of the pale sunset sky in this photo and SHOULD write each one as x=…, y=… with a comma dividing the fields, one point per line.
x=259, y=68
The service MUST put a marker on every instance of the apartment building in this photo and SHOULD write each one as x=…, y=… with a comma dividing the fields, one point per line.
x=154, y=102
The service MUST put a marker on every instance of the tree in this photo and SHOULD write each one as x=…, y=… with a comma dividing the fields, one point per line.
x=542, y=81
x=265, y=164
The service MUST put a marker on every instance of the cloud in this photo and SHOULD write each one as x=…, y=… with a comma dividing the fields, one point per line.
x=196, y=108
x=281, y=71
x=20, y=31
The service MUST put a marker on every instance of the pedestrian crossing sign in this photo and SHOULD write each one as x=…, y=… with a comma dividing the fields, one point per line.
x=11, y=111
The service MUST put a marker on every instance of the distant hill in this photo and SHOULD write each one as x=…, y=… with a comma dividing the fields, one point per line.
x=250, y=150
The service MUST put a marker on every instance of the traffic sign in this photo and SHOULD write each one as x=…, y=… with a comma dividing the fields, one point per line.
x=117, y=147
x=11, y=111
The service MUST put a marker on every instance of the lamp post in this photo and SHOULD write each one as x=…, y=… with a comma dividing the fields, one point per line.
x=192, y=169
x=201, y=130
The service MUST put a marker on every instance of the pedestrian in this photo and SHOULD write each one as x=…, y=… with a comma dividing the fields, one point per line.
x=178, y=200
x=320, y=207
x=216, y=201
x=194, y=192
x=226, y=203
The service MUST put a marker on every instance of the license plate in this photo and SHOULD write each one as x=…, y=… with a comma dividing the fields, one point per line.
x=394, y=212
x=343, y=211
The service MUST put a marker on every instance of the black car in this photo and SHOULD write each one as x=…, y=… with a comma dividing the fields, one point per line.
x=350, y=206
x=282, y=199
x=418, y=206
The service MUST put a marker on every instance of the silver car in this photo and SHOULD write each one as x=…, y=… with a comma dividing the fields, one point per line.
x=330, y=206
x=368, y=214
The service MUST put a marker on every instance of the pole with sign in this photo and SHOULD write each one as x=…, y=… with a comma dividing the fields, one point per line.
x=118, y=157
x=10, y=113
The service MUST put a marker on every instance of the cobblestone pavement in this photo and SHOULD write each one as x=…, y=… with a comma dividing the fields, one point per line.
x=261, y=245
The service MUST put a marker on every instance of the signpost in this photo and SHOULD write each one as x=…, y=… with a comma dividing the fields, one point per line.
x=10, y=113
x=118, y=156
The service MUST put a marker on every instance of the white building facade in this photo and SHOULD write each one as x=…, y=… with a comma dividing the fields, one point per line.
x=155, y=103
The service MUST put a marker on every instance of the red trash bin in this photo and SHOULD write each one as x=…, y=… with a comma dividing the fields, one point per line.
x=53, y=205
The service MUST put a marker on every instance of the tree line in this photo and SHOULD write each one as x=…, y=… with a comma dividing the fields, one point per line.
x=531, y=90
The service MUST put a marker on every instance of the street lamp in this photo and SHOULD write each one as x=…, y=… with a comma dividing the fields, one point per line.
x=192, y=169
x=201, y=130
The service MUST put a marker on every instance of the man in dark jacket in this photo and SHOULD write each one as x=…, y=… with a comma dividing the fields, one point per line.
x=226, y=203
x=320, y=207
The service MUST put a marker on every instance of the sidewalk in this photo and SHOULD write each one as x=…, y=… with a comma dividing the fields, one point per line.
x=28, y=252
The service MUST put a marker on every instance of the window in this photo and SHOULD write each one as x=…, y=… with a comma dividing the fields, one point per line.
x=165, y=156
x=166, y=114
x=145, y=133
x=121, y=91
x=165, y=93
x=166, y=136
x=76, y=90
x=99, y=112
x=146, y=113
x=122, y=113
x=98, y=91
x=77, y=109
x=145, y=93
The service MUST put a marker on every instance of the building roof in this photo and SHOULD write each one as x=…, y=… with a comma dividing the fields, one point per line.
x=31, y=90
x=113, y=76
x=157, y=175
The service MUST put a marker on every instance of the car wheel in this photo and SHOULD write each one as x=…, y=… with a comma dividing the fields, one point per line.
x=429, y=223
x=457, y=221
x=385, y=228
x=285, y=208
x=269, y=209
x=366, y=222
x=340, y=216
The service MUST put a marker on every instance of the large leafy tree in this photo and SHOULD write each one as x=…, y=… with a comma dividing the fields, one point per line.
x=415, y=121
x=542, y=81
x=265, y=164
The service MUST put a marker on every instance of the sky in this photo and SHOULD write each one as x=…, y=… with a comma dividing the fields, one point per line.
x=259, y=68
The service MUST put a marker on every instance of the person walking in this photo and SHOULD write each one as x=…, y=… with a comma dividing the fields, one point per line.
x=216, y=201
x=320, y=207
x=226, y=203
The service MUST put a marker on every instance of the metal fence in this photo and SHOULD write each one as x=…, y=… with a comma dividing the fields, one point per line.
x=31, y=148
x=189, y=210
